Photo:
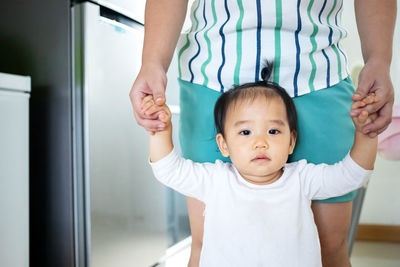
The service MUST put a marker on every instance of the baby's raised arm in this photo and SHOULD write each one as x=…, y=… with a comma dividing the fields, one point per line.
x=160, y=142
x=364, y=148
x=183, y=175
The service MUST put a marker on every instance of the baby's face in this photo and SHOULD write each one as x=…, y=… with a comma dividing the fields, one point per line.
x=257, y=139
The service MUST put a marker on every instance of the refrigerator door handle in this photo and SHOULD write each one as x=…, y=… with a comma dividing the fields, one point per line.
x=118, y=17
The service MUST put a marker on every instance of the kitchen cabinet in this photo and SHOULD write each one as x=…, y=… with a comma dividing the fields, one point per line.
x=14, y=170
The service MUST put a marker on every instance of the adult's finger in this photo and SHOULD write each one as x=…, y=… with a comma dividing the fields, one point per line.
x=382, y=121
x=150, y=124
x=365, y=83
x=158, y=90
x=373, y=134
x=138, y=92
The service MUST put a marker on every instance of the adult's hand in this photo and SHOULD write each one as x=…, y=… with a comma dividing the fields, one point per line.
x=151, y=80
x=375, y=77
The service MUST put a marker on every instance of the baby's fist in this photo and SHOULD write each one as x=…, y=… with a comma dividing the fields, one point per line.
x=149, y=107
x=364, y=117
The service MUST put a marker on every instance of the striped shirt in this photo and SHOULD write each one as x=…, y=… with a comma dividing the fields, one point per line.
x=230, y=40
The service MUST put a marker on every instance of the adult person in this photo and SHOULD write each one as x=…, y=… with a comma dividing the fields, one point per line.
x=302, y=38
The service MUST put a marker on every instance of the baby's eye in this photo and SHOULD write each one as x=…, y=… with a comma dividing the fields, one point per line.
x=245, y=132
x=273, y=131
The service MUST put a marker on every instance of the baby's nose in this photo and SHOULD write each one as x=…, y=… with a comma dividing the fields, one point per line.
x=261, y=142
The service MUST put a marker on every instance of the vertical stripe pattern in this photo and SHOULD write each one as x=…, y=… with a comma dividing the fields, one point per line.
x=277, y=35
x=204, y=65
x=221, y=33
x=296, y=34
x=314, y=47
x=259, y=20
x=236, y=77
x=340, y=32
x=331, y=43
x=187, y=44
x=197, y=42
x=328, y=63
x=229, y=40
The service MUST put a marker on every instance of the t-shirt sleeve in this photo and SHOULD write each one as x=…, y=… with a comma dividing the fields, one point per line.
x=323, y=181
x=183, y=175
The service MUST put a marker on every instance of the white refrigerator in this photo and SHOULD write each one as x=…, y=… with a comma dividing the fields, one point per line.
x=124, y=217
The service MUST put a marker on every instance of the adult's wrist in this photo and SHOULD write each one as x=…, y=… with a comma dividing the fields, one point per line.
x=154, y=64
x=379, y=60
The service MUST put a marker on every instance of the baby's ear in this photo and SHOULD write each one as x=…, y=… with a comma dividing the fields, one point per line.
x=293, y=138
x=222, y=145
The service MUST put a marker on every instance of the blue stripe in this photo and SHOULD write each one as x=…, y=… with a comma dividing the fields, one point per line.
x=330, y=35
x=345, y=58
x=221, y=33
x=259, y=19
x=322, y=10
x=296, y=36
x=198, y=45
x=328, y=72
x=336, y=22
x=323, y=50
x=337, y=13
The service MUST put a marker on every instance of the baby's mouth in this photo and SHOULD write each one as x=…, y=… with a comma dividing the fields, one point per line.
x=260, y=158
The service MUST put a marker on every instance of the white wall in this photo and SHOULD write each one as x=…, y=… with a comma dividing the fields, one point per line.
x=382, y=201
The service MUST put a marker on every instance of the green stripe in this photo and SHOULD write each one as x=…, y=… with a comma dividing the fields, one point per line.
x=340, y=31
x=314, y=48
x=203, y=67
x=330, y=12
x=333, y=45
x=340, y=38
x=238, y=43
x=344, y=29
x=278, y=26
x=193, y=28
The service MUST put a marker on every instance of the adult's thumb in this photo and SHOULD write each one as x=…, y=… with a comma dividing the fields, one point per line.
x=159, y=93
x=365, y=83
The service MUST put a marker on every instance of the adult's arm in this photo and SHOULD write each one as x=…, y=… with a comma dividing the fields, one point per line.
x=163, y=24
x=375, y=23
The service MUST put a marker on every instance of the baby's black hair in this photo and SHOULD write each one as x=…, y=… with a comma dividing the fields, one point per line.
x=251, y=91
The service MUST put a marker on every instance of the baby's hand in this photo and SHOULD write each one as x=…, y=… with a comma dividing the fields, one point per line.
x=364, y=117
x=149, y=107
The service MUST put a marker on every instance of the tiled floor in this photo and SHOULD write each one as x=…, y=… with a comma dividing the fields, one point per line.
x=374, y=254
x=365, y=254
x=116, y=244
x=116, y=247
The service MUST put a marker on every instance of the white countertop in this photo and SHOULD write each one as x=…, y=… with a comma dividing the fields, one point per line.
x=11, y=82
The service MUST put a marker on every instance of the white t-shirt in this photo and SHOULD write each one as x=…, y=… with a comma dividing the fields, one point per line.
x=259, y=225
x=230, y=40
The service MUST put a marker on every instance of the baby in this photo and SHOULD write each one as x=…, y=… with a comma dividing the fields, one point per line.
x=258, y=208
